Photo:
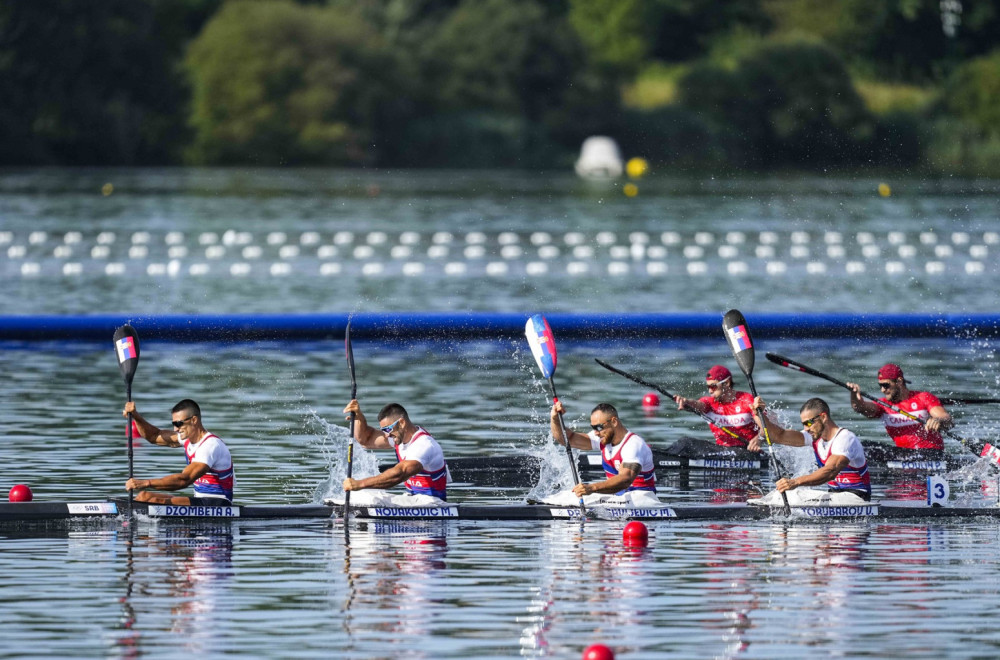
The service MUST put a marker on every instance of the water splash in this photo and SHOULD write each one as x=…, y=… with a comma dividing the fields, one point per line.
x=332, y=443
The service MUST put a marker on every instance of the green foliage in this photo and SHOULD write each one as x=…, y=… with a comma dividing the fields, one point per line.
x=973, y=91
x=787, y=104
x=93, y=83
x=280, y=83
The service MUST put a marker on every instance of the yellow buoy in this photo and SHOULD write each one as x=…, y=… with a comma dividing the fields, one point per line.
x=107, y=189
x=630, y=189
x=636, y=167
x=884, y=190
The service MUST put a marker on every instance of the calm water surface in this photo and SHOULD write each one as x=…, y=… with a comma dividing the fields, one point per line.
x=455, y=589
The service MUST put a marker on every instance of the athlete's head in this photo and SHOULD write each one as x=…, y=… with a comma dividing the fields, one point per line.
x=393, y=420
x=184, y=416
x=815, y=415
x=604, y=422
x=719, y=380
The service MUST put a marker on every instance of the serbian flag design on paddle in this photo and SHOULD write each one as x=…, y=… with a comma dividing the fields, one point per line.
x=126, y=349
x=543, y=344
x=739, y=339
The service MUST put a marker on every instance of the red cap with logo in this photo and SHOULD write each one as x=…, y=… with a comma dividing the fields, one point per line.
x=890, y=372
x=718, y=373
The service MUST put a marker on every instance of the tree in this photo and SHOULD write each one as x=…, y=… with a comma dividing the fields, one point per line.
x=279, y=83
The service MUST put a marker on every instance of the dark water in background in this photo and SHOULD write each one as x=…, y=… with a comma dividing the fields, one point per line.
x=474, y=589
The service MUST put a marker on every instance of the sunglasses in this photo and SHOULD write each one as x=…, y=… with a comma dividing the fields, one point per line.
x=182, y=422
x=809, y=422
x=885, y=386
x=601, y=427
x=388, y=429
x=714, y=386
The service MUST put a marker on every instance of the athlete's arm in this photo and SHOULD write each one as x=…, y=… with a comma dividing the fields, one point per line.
x=626, y=475
x=191, y=474
x=151, y=433
x=866, y=408
x=576, y=440
x=940, y=420
x=397, y=474
x=833, y=466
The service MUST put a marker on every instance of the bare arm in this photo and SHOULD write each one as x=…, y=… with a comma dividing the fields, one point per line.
x=151, y=433
x=940, y=420
x=367, y=436
x=191, y=474
x=866, y=408
x=397, y=474
x=626, y=475
x=833, y=466
x=576, y=440
x=777, y=434
x=691, y=404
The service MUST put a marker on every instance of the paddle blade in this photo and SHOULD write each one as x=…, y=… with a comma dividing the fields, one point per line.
x=350, y=360
x=127, y=351
x=738, y=336
x=543, y=344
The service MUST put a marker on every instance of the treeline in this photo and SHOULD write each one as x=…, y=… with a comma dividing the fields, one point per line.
x=689, y=84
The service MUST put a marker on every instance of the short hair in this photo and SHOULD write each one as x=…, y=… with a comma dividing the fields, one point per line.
x=187, y=405
x=605, y=408
x=817, y=404
x=391, y=410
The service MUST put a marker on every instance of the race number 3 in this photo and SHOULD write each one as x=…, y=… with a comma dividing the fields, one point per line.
x=937, y=491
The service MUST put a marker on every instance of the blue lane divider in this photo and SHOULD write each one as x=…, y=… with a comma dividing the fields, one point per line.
x=487, y=325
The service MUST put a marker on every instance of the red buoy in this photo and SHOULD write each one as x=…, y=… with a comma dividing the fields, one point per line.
x=651, y=400
x=635, y=533
x=598, y=652
x=19, y=493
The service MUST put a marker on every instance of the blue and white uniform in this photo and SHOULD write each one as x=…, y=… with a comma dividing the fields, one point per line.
x=632, y=449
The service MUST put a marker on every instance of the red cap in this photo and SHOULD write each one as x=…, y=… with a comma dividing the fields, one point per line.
x=890, y=372
x=718, y=373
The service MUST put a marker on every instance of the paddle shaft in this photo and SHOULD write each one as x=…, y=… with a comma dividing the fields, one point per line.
x=791, y=364
x=128, y=397
x=350, y=441
x=562, y=429
x=737, y=332
x=661, y=390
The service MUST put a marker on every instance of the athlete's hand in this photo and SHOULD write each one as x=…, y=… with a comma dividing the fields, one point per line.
x=352, y=407
x=934, y=425
x=129, y=409
x=786, y=484
x=350, y=484
x=754, y=444
x=557, y=409
x=582, y=489
x=681, y=402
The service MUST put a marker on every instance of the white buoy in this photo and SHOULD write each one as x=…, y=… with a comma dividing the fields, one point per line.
x=600, y=158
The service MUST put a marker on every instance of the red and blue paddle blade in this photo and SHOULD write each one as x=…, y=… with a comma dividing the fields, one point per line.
x=543, y=344
x=738, y=335
x=127, y=351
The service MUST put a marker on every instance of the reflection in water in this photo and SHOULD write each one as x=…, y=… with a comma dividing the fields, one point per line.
x=395, y=567
x=130, y=639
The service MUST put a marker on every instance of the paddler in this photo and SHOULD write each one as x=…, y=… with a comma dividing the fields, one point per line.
x=627, y=459
x=924, y=432
x=421, y=463
x=839, y=455
x=729, y=409
x=210, y=465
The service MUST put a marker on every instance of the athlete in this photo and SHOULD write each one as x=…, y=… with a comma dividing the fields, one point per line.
x=728, y=408
x=421, y=463
x=209, y=468
x=924, y=432
x=839, y=455
x=627, y=459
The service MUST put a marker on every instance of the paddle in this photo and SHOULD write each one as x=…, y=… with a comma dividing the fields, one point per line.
x=543, y=347
x=127, y=351
x=350, y=442
x=798, y=366
x=738, y=335
x=962, y=402
x=661, y=390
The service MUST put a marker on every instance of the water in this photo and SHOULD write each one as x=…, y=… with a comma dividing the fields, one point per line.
x=463, y=589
